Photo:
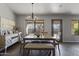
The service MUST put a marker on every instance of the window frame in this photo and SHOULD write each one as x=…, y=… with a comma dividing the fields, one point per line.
x=78, y=27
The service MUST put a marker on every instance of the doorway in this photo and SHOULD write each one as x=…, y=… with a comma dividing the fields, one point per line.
x=57, y=29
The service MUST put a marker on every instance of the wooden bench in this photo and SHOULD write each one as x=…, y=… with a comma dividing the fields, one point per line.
x=39, y=46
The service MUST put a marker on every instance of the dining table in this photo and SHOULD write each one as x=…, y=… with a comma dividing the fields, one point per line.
x=40, y=44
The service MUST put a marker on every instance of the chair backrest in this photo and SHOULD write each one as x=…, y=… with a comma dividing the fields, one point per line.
x=20, y=37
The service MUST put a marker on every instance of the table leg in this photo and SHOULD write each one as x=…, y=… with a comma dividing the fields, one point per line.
x=54, y=52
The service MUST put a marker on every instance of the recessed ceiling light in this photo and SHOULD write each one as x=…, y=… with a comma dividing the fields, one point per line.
x=60, y=5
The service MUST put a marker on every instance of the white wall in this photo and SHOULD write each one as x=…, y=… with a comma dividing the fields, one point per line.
x=67, y=35
x=6, y=12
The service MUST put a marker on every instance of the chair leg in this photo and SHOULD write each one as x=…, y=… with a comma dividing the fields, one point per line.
x=20, y=51
x=59, y=51
x=23, y=52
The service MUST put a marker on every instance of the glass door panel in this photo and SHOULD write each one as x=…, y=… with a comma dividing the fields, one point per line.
x=57, y=29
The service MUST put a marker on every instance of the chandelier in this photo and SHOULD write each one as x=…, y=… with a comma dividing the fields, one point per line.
x=32, y=17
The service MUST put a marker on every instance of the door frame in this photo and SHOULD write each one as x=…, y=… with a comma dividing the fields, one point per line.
x=61, y=28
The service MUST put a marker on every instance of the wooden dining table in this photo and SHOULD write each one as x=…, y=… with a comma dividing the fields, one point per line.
x=40, y=44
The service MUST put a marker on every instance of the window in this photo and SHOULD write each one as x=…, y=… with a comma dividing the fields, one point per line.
x=75, y=27
x=34, y=26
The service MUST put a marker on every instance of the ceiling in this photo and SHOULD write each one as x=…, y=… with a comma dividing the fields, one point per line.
x=44, y=8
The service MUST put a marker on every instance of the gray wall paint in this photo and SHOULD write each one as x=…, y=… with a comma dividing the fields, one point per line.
x=67, y=35
x=6, y=12
x=20, y=22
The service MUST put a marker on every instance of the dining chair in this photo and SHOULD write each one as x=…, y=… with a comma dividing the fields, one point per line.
x=20, y=35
